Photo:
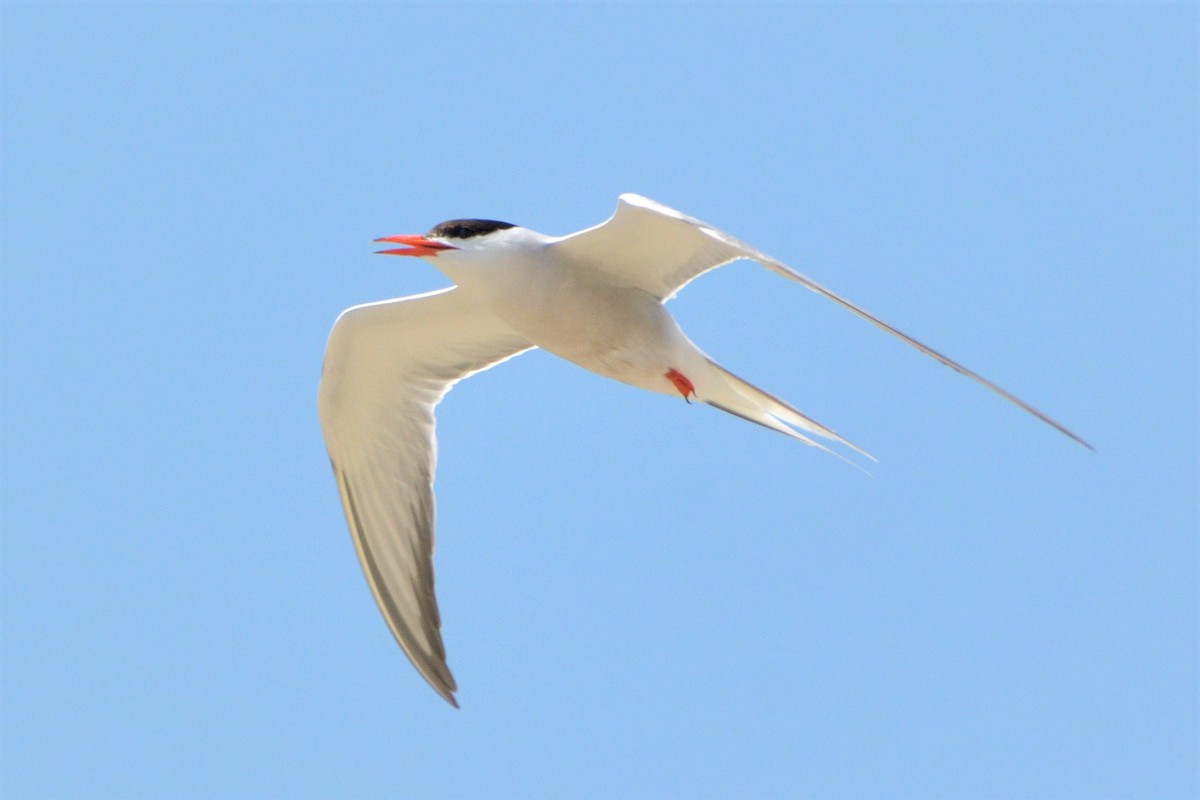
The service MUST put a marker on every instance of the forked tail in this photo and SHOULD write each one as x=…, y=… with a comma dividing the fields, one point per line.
x=728, y=392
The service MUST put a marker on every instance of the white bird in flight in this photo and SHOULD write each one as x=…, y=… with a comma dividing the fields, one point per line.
x=594, y=298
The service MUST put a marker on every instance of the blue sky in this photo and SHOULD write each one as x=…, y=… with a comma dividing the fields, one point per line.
x=640, y=598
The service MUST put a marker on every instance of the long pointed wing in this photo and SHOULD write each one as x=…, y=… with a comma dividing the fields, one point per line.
x=652, y=247
x=387, y=365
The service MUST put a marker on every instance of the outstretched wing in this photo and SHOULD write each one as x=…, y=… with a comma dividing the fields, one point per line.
x=387, y=365
x=658, y=249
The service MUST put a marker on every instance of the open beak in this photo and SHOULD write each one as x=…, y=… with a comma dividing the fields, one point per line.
x=417, y=246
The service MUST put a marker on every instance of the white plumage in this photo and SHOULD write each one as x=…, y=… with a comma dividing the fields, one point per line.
x=593, y=297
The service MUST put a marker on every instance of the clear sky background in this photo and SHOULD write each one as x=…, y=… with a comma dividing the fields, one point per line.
x=641, y=598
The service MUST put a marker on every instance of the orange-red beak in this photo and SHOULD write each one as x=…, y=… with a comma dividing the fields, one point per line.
x=417, y=246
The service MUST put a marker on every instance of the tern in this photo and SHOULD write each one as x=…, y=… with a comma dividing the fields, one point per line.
x=594, y=298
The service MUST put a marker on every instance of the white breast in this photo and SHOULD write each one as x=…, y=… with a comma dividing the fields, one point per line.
x=620, y=332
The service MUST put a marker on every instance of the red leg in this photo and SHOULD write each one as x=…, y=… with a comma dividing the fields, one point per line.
x=681, y=383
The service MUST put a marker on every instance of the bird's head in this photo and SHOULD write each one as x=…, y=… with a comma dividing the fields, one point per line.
x=464, y=235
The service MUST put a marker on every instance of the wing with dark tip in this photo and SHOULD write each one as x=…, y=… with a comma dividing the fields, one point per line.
x=387, y=365
x=655, y=248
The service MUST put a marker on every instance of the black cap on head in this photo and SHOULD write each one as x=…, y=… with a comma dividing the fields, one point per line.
x=466, y=228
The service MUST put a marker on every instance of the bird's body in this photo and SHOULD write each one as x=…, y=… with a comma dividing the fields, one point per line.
x=620, y=333
x=572, y=310
x=593, y=298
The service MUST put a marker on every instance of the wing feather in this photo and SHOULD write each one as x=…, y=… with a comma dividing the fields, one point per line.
x=655, y=248
x=387, y=365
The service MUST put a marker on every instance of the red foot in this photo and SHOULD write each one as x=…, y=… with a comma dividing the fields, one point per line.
x=681, y=383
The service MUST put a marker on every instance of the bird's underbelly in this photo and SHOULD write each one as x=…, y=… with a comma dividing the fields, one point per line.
x=623, y=334
x=627, y=365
